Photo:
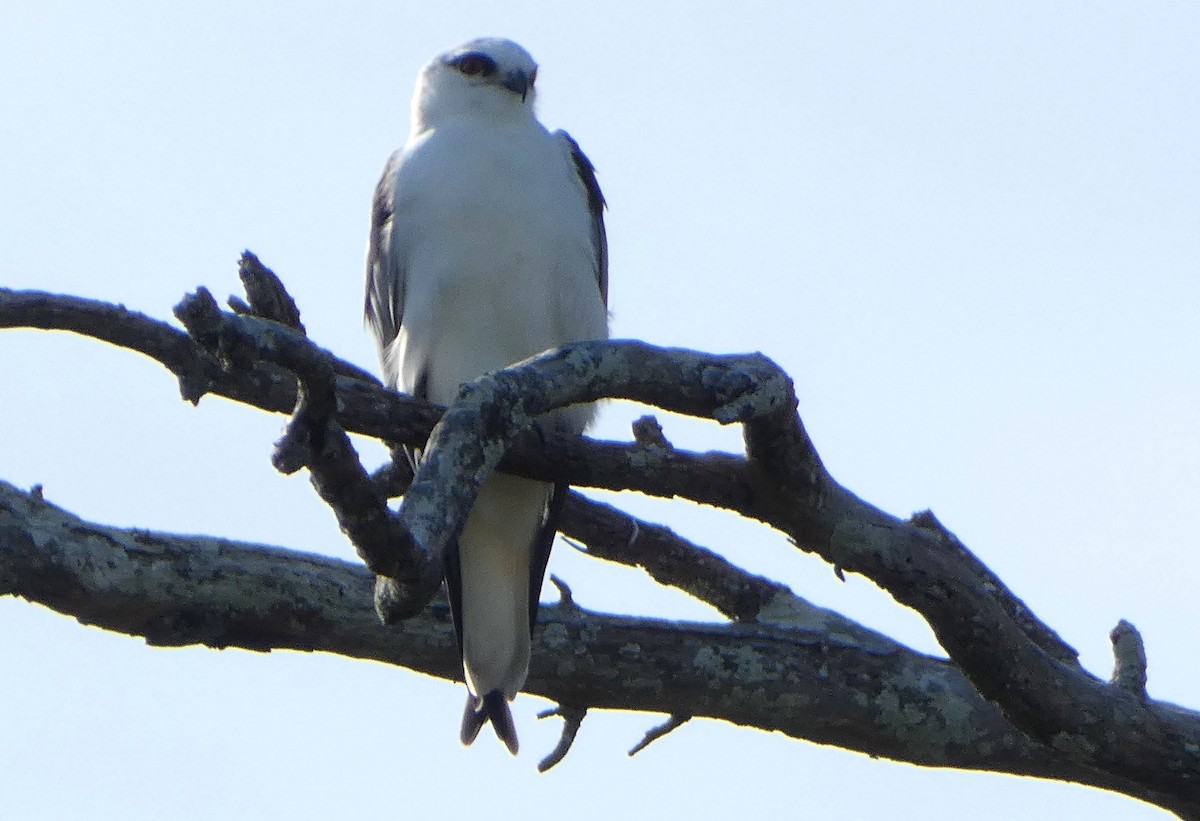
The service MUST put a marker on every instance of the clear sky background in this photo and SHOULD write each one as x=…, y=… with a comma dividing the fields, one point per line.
x=971, y=232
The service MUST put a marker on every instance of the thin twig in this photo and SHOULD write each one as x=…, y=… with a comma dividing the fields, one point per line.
x=565, y=598
x=655, y=733
x=572, y=717
x=266, y=295
x=1129, y=655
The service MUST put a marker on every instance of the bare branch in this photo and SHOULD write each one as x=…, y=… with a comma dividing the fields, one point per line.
x=266, y=295
x=572, y=717
x=615, y=536
x=313, y=439
x=648, y=433
x=1111, y=733
x=994, y=639
x=491, y=411
x=655, y=733
x=566, y=599
x=179, y=590
x=1009, y=655
x=1129, y=652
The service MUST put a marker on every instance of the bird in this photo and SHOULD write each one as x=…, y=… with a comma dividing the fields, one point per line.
x=487, y=246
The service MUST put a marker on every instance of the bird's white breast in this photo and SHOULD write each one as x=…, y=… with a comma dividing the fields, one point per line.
x=492, y=229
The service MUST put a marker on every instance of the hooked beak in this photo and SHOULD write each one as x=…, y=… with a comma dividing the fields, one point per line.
x=518, y=83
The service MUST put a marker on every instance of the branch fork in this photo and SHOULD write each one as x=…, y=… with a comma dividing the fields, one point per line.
x=1104, y=733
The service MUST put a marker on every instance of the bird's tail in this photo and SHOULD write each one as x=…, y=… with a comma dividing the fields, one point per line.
x=491, y=706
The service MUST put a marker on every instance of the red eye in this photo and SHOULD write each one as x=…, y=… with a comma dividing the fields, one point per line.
x=474, y=63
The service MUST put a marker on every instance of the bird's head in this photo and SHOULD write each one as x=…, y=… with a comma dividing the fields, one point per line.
x=489, y=75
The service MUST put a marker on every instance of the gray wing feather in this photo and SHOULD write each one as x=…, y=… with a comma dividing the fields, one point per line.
x=384, y=307
x=595, y=200
x=543, y=540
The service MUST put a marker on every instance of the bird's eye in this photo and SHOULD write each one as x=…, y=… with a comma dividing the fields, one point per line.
x=474, y=63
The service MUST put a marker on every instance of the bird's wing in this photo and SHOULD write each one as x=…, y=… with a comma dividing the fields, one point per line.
x=386, y=276
x=452, y=571
x=543, y=540
x=386, y=283
x=595, y=201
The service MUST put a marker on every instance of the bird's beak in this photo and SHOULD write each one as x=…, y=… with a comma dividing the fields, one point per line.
x=518, y=83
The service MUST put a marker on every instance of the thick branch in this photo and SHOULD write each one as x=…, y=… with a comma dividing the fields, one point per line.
x=315, y=440
x=605, y=532
x=1009, y=655
x=493, y=410
x=365, y=407
x=880, y=699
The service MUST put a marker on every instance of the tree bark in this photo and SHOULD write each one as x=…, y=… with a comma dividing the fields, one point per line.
x=1012, y=698
x=810, y=675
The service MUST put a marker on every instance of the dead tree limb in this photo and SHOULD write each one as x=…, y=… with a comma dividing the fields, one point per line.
x=1084, y=729
x=859, y=691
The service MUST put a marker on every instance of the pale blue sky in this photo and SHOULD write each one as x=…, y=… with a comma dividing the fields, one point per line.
x=971, y=232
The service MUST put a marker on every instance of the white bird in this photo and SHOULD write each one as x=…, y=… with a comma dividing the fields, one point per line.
x=487, y=247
